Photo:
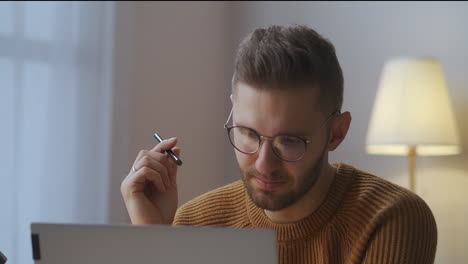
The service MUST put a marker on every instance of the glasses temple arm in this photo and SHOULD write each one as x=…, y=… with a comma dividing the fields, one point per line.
x=229, y=117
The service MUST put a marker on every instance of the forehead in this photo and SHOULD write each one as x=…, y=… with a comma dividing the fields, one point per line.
x=274, y=111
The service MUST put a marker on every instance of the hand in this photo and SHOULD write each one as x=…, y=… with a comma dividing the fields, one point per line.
x=150, y=192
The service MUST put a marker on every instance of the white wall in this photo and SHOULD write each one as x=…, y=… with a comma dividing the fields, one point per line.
x=171, y=77
x=365, y=34
x=180, y=55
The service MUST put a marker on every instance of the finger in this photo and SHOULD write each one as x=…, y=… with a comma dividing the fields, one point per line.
x=141, y=153
x=165, y=145
x=147, y=174
x=154, y=155
x=156, y=165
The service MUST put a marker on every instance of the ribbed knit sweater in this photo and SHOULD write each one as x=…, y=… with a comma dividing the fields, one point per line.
x=364, y=219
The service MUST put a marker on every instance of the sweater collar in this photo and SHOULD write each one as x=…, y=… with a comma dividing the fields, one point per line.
x=308, y=225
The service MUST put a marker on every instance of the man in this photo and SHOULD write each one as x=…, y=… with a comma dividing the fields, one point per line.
x=287, y=93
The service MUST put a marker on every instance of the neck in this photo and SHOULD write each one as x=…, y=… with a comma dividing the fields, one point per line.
x=309, y=203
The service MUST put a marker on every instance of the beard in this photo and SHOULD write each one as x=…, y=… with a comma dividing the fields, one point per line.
x=275, y=201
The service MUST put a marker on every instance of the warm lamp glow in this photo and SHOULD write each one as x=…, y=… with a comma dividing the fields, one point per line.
x=423, y=150
x=412, y=109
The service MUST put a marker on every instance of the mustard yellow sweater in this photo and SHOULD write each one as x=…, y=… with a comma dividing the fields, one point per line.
x=364, y=219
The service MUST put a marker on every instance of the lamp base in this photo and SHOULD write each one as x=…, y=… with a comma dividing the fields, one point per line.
x=412, y=168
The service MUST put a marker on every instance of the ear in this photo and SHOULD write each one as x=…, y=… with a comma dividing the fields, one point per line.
x=232, y=98
x=339, y=129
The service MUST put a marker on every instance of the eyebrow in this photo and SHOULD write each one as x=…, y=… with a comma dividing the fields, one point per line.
x=286, y=133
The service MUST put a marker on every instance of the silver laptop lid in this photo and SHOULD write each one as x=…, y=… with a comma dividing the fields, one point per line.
x=125, y=244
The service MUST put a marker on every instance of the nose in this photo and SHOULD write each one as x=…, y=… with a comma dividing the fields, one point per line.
x=267, y=161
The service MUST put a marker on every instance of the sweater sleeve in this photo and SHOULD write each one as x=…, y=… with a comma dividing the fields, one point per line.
x=407, y=233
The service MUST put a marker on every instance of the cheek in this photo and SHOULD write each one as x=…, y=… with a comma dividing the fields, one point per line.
x=244, y=161
x=297, y=172
x=293, y=174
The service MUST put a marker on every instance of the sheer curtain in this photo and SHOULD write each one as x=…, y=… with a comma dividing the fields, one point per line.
x=55, y=117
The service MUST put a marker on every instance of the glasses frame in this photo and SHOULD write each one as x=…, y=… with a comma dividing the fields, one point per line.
x=262, y=138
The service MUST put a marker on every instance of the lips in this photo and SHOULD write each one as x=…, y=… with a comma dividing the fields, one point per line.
x=267, y=184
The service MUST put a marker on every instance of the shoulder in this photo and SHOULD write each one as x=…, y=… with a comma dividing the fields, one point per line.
x=390, y=218
x=379, y=194
x=222, y=206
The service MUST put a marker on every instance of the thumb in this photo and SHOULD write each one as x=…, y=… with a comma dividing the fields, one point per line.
x=177, y=151
x=172, y=165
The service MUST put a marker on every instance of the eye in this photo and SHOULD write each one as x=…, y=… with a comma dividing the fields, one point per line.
x=246, y=133
x=289, y=140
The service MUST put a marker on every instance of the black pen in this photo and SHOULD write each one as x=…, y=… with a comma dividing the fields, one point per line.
x=169, y=152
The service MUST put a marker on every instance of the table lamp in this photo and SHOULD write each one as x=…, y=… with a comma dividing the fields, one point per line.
x=412, y=113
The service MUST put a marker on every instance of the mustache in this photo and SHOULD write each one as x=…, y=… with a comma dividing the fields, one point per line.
x=275, y=176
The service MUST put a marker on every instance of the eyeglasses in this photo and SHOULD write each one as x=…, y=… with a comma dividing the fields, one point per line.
x=286, y=147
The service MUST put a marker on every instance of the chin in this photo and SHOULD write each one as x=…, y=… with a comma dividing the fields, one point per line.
x=275, y=197
x=271, y=200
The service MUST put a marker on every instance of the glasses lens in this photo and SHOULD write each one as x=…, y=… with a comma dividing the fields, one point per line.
x=289, y=148
x=244, y=139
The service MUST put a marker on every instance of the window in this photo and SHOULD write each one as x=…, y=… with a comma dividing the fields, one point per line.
x=55, y=105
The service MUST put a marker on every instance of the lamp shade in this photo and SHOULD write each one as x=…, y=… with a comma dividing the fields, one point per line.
x=412, y=109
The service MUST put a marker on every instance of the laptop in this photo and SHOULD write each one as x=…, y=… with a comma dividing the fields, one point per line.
x=125, y=244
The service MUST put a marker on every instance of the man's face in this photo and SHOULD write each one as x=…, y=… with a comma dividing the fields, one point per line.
x=274, y=184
